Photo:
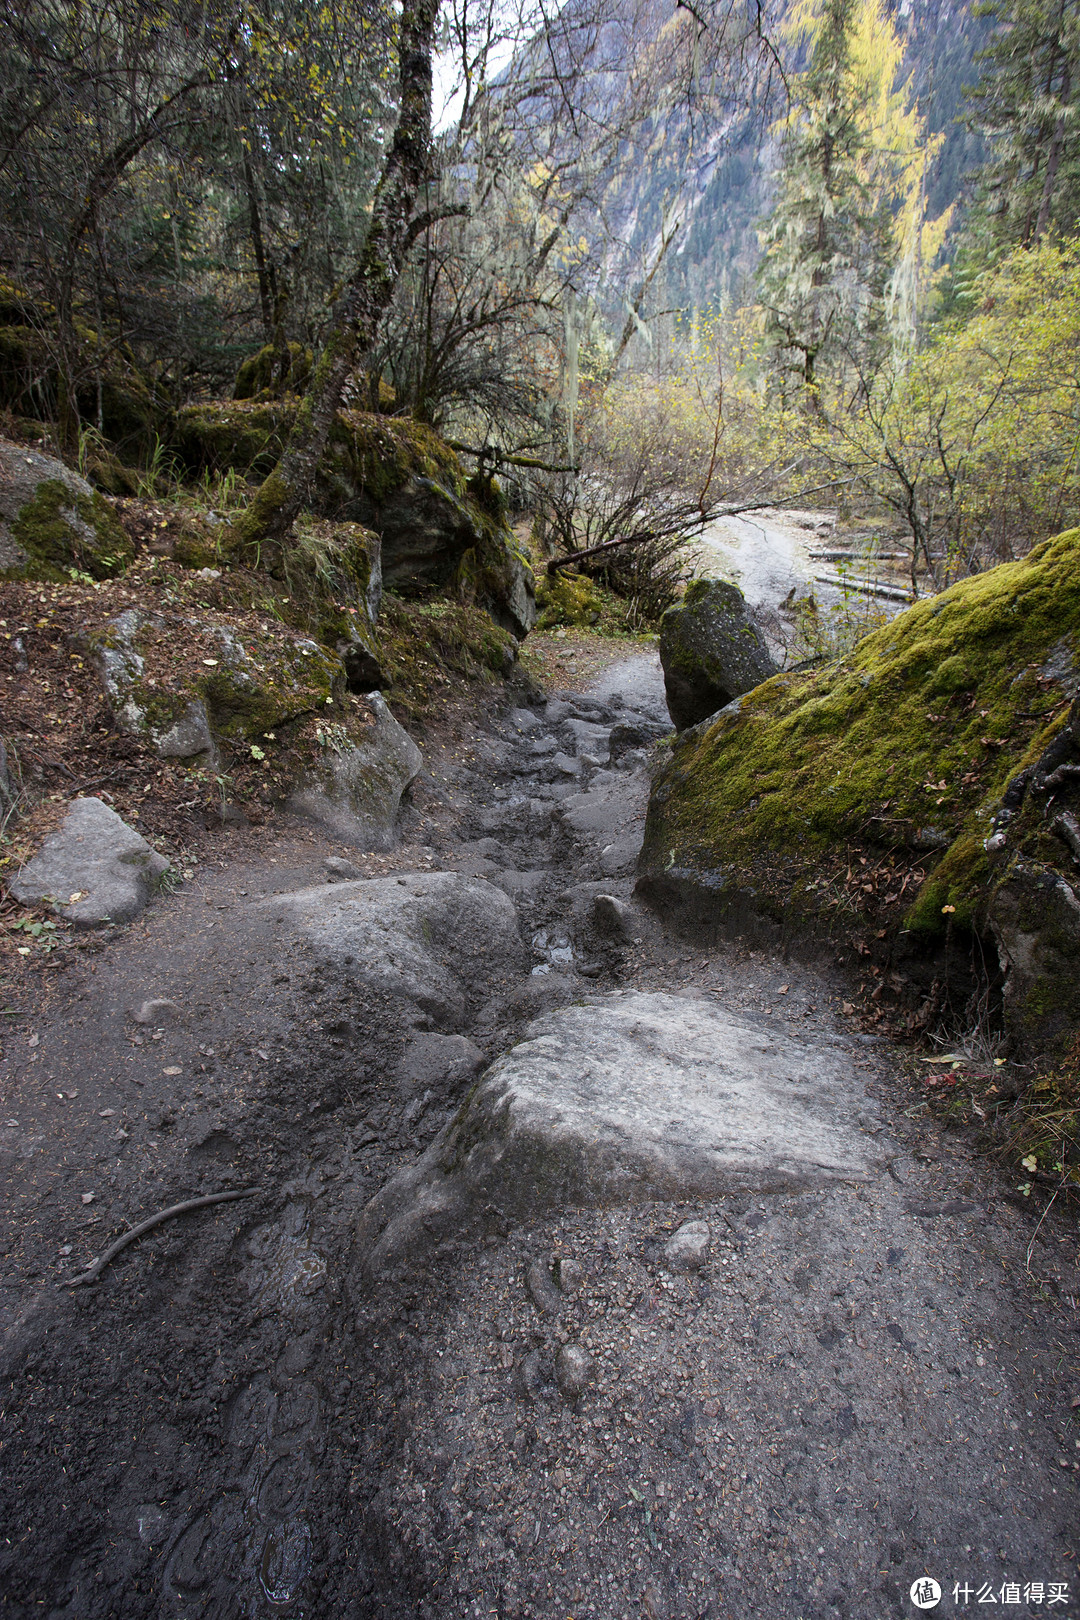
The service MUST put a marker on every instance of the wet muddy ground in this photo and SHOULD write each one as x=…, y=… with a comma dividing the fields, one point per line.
x=860, y=1387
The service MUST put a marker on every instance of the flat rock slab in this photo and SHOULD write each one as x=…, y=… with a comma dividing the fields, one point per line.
x=430, y=938
x=626, y=1097
x=93, y=870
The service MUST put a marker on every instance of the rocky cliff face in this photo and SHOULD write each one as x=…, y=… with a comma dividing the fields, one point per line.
x=916, y=799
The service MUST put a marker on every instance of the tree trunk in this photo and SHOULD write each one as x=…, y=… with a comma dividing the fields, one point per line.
x=98, y=187
x=263, y=269
x=359, y=311
x=1053, y=161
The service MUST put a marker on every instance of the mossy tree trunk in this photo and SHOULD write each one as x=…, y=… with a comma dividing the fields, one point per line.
x=272, y=512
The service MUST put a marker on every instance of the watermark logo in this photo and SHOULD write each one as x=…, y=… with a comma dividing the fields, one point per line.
x=925, y=1593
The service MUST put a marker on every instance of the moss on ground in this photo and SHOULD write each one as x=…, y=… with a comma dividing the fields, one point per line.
x=905, y=746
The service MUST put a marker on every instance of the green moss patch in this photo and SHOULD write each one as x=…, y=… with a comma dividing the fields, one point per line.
x=567, y=599
x=259, y=371
x=368, y=459
x=432, y=651
x=61, y=530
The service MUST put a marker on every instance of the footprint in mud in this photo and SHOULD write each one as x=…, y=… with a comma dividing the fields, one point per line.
x=284, y=1563
x=286, y=1270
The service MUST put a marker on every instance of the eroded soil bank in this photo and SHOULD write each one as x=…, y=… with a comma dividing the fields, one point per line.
x=864, y=1382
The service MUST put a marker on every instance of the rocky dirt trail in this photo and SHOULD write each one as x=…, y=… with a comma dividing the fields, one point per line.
x=685, y=1307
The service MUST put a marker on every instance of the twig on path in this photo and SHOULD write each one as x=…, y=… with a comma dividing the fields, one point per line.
x=94, y=1270
x=1034, y=1235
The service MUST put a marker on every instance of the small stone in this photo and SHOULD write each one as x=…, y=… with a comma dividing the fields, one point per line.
x=653, y=1603
x=88, y=1198
x=340, y=868
x=107, y=1113
x=542, y=1289
x=570, y=1274
x=523, y=719
x=528, y=1376
x=156, y=1012
x=612, y=916
x=64, y=1249
x=572, y=1371
x=686, y=1248
x=567, y=764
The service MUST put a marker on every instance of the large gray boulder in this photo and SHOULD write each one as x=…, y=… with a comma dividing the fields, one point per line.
x=51, y=521
x=631, y=1096
x=711, y=651
x=356, y=790
x=434, y=939
x=93, y=870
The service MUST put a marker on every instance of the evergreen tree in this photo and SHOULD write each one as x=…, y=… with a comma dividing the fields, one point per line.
x=1026, y=106
x=848, y=246
x=813, y=275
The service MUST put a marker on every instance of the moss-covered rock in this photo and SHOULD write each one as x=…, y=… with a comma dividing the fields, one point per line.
x=245, y=436
x=396, y=479
x=259, y=371
x=356, y=786
x=109, y=474
x=864, y=793
x=218, y=692
x=569, y=599
x=53, y=526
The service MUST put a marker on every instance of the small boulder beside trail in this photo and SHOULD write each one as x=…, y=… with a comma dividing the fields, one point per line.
x=93, y=870
x=711, y=652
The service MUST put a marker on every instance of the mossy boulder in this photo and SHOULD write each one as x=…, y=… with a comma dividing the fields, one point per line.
x=52, y=524
x=711, y=651
x=355, y=788
x=245, y=436
x=395, y=478
x=194, y=687
x=567, y=599
x=897, y=791
x=261, y=371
